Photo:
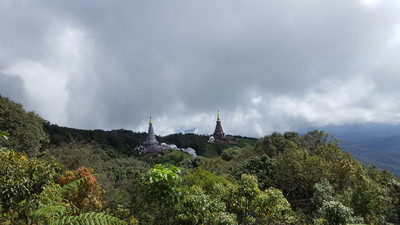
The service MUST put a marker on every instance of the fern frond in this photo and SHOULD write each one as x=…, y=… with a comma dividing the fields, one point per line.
x=90, y=218
x=4, y=134
x=74, y=185
x=49, y=213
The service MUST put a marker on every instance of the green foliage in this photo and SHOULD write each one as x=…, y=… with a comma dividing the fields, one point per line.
x=52, y=205
x=253, y=206
x=317, y=139
x=173, y=157
x=155, y=194
x=273, y=145
x=113, y=173
x=298, y=168
x=25, y=128
x=241, y=202
x=91, y=218
x=207, y=198
x=242, y=198
x=312, y=169
x=21, y=181
x=4, y=134
x=323, y=191
x=295, y=173
x=204, y=179
x=215, y=165
x=55, y=209
x=335, y=212
x=163, y=184
x=186, y=140
x=199, y=208
x=271, y=207
x=191, y=162
x=201, y=145
x=120, y=141
x=373, y=202
x=309, y=170
x=248, y=187
x=213, y=149
x=50, y=213
x=76, y=154
x=57, y=216
x=122, y=168
x=230, y=153
x=259, y=166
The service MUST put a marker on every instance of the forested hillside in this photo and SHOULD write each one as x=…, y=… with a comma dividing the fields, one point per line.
x=125, y=141
x=371, y=143
x=58, y=175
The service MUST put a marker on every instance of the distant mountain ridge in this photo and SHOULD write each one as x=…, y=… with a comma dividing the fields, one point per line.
x=370, y=143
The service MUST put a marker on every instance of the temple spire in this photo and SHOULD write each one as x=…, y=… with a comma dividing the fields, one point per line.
x=219, y=134
x=150, y=138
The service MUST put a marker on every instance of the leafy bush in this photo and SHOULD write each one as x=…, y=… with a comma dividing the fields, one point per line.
x=21, y=181
x=335, y=212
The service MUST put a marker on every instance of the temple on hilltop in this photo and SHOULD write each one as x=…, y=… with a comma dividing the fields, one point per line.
x=151, y=144
x=219, y=134
x=150, y=138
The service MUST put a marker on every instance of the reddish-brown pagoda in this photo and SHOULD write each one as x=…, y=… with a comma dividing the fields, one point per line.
x=219, y=134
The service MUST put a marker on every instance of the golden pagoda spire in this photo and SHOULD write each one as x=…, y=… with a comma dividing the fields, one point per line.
x=218, y=120
x=150, y=121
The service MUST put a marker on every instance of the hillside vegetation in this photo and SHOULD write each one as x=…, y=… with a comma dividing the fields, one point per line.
x=371, y=143
x=96, y=177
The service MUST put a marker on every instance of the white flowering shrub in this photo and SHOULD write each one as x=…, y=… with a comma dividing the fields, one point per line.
x=335, y=212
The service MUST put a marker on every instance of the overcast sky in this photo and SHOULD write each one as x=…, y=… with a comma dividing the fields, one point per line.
x=266, y=65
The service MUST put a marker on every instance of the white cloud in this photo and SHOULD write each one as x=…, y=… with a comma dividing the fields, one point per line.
x=394, y=39
x=370, y=3
x=45, y=88
x=46, y=80
x=354, y=100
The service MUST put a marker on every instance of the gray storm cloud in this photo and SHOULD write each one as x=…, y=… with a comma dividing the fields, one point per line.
x=266, y=65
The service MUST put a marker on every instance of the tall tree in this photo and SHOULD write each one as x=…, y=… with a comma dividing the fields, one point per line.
x=25, y=128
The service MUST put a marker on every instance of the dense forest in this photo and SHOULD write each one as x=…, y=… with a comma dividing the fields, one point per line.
x=370, y=143
x=58, y=175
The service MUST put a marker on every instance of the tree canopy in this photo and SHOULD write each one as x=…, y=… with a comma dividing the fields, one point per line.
x=25, y=128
